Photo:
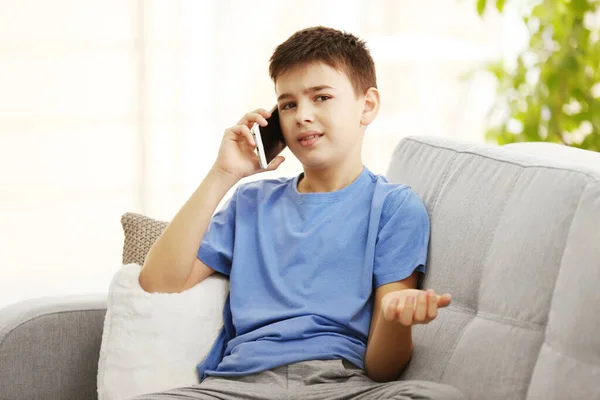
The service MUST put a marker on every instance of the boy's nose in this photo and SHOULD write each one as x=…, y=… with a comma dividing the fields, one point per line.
x=304, y=114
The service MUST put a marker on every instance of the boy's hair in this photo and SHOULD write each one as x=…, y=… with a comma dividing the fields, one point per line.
x=340, y=50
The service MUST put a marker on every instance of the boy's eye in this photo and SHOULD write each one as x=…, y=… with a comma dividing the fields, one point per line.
x=319, y=98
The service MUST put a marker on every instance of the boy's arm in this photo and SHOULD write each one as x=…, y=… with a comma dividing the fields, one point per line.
x=170, y=261
x=398, y=306
x=169, y=265
x=390, y=344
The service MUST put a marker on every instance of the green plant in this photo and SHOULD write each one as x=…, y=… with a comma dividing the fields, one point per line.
x=552, y=90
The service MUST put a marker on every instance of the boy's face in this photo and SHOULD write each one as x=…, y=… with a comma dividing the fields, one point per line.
x=321, y=117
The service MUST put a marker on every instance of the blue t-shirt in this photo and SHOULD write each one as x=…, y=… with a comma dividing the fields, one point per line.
x=303, y=268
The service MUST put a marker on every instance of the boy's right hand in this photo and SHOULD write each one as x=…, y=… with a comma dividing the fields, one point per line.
x=236, y=155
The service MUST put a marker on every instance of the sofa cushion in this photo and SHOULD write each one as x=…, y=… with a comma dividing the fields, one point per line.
x=514, y=239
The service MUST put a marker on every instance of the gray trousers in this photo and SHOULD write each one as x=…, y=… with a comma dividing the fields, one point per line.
x=308, y=380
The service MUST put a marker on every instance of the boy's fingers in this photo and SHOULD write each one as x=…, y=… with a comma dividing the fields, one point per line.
x=444, y=300
x=389, y=313
x=432, y=306
x=252, y=118
x=398, y=309
x=243, y=134
x=406, y=318
x=421, y=307
x=262, y=112
x=275, y=163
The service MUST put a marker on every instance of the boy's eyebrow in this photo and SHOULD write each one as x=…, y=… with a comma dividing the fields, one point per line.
x=309, y=90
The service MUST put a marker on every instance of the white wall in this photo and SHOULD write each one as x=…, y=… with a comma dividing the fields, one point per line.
x=113, y=106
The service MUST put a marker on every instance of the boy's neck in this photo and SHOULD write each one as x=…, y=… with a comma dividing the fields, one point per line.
x=329, y=179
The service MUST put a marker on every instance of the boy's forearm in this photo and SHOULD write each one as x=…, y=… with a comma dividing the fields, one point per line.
x=389, y=350
x=171, y=258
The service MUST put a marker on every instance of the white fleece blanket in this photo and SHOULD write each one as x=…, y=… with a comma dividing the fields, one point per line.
x=153, y=341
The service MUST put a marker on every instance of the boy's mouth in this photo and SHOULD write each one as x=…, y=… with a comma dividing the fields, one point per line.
x=307, y=139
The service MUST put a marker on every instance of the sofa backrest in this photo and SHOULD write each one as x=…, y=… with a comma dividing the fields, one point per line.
x=515, y=238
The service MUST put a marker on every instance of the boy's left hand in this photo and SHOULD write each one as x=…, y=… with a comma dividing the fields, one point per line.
x=412, y=306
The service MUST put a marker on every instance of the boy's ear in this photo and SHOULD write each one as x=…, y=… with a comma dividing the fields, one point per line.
x=371, y=107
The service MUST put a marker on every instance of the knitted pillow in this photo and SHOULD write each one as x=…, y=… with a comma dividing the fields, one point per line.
x=140, y=233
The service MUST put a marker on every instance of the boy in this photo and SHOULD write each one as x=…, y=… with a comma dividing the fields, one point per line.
x=323, y=267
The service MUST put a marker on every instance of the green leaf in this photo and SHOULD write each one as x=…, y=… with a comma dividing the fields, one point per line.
x=540, y=11
x=500, y=5
x=481, y=6
x=553, y=81
x=568, y=71
x=496, y=68
x=579, y=6
x=581, y=97
x=570, y=63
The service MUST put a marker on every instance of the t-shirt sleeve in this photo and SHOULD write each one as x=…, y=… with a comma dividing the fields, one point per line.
x=403, y=237
x=216, y=249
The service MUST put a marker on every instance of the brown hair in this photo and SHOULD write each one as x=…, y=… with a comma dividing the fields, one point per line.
x=340, y=50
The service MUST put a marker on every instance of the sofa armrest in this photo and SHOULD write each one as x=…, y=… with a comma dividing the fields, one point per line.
x=49, y=347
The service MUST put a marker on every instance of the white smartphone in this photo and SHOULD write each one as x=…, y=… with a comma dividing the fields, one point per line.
x=260, y=149
x=269, y=139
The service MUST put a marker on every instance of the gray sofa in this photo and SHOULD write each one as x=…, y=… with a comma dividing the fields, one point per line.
x=515, y=238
